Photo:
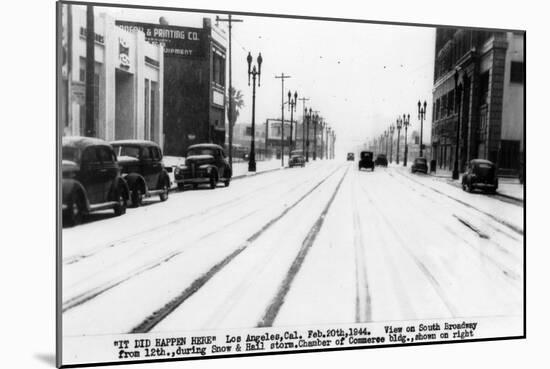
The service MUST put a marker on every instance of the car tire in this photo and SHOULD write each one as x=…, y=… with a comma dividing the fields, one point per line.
x=195, y=186
x=469, y=188
x=181, y=186
x=120, y=207
x=75, y=211
x=137, y=197
x=165, y=190
x=227, y=182
x=213, y=180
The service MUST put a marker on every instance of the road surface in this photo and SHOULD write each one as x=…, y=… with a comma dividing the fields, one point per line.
x=325, y=244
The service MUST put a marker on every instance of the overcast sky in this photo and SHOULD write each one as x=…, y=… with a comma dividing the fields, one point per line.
x=359, y=76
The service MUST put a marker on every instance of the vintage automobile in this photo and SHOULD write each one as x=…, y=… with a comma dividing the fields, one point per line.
x=296, y=159
x=350, y=157
x=204, y=164
x=481, y=174
x=419, y=165
x=381, y=160
x=91, y=179
x=365, y=160
x=142, y=168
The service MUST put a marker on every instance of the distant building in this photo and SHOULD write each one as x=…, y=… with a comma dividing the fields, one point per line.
x=128, y=83
x=492, y=71
x=194, y=82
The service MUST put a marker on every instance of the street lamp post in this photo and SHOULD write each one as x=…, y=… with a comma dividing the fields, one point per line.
x=254, y=72
x=398, y=125
x=421, y=117
x=321, y=131
x=303, y=100
x=315, y=122
x=386, y=141
x=292, y=107
x=392, y=129
x=326, y=136
x=308, y=119
x=282, y=78
x=406, y=122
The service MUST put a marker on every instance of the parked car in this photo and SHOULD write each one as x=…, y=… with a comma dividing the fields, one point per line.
x=91, y=179
x=419, y=165
x=365, y=160
x=481, y=174
x=296, y=159
x=381, y=160
x=204, y=164
x=142, y=168
x=351, y=156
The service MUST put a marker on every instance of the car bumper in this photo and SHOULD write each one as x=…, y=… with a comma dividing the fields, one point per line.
x=485, y=186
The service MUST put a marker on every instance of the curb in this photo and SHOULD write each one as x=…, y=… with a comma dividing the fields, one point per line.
x=456, y=184
x=255, y=173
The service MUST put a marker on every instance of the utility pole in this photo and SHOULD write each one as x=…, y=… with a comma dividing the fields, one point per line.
x=304, y=99
x=229, y=21
x=90, y=72
x=282, y=77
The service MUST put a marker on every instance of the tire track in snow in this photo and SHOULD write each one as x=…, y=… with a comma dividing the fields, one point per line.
x=74, y=259
x=156, y=317
x=279, y=299
x=363, y=311
x=431, y=278
x=497, y=219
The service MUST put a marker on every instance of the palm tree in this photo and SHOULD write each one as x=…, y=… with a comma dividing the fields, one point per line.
x=237, y=103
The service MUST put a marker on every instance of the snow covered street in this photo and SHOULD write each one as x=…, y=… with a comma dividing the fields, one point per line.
x=324, y=244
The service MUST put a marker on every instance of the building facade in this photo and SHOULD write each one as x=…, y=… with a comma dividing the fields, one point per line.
x=128, y=83
x=479, y=83
x=194, y=82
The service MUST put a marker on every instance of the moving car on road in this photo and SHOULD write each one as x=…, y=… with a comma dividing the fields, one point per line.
x=351, y=156
x=481, y=174
x=365, y=160
x=204, y=164
x=419, y=165
x=296, y=159
x=142, y=168
x=91, y=179
x=381, y=160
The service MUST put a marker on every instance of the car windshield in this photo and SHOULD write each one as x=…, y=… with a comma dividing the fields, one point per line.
x=132, y=151
x=70, y=153
x=420, y=161
x=366, y=155
x=200, y=151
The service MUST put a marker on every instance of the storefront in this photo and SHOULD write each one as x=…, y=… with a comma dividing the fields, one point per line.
x=128, y=83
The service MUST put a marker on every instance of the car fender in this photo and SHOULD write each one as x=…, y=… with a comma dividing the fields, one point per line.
x=119, y=181
x=163, y=177
x=69, y=186
x=135, y=179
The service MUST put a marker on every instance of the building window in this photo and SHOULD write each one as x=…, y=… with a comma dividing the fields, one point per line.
x=451, y=102
x=437, y=107
x=444, y=106
x=516, y=72
x=248, y=131
x=218, y=69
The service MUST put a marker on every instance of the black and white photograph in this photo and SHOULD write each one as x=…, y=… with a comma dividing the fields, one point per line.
x=233, y=183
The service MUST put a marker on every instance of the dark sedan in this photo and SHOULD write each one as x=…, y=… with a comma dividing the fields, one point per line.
x=381, y=160
x=420, y=165
x=296, y=159
x=365, y=160
x=481, y=174
x=204, y=164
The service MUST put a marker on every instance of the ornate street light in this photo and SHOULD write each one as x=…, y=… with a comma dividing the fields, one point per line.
x=392, y=129
x=421, y=117
x=292, y=107
x=254, y=72
x=308, y=119
x=315, y=122
x=406, y=122
x=398, y=125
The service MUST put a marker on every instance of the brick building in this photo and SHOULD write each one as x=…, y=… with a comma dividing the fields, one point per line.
x=194, y=83
x=489, y=100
